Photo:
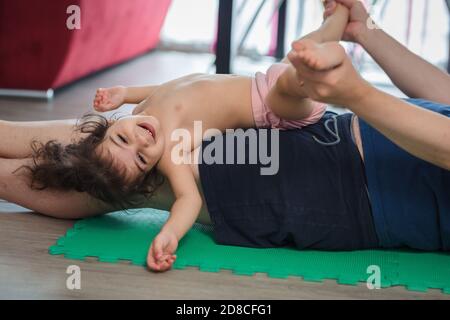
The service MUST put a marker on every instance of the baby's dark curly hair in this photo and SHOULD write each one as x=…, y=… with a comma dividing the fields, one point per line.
x=79, y=166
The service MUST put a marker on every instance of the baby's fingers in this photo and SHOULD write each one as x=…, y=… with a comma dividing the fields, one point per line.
x=160, y=266
x=166, y=256
x=152, y=262
x=158, y=250
x=171, y=259
x=153, y=266
x=166, y=265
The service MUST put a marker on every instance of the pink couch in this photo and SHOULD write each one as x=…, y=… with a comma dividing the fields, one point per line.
x=38, y=51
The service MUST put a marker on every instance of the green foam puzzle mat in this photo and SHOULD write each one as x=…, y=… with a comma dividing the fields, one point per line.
x=127, y=236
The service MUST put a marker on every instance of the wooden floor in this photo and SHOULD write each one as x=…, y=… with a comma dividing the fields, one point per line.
x=27, y=271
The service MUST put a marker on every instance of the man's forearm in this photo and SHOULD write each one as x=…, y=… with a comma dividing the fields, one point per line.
x=421, y=132
x=15, y=188
x=18, y=136
x=413, y=75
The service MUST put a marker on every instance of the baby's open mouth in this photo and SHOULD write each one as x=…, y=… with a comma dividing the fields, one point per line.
x=149, y=128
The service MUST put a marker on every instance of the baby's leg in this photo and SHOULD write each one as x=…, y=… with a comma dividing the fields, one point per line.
x=333, y=27
x=331, y=30
x=287, y=98
x=320, y=50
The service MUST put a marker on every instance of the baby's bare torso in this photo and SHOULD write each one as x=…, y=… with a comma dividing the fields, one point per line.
x=217, y=101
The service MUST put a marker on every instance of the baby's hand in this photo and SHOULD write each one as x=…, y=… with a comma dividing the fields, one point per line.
x=160, y=256
x=109, y=99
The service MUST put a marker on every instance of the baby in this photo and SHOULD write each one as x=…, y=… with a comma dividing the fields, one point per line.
x=141, y=144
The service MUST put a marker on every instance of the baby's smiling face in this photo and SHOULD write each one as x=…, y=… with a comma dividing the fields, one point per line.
x=136, y=143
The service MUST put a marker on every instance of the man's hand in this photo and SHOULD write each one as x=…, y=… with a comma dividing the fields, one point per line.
x=341, y=85
x=359, y=18
x=161, y=254
x=109, y=99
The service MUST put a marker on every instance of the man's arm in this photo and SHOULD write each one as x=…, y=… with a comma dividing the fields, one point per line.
x=413, y=75
x=18, y=136
x=416, y=77
x=421, y=132
x=15, y=188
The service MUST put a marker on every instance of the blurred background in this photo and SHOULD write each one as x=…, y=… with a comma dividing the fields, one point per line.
x=421, y=25
x=136, y=42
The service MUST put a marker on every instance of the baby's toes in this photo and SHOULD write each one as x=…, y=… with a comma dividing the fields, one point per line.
x=292, y=55
x=295, y=58
x=304, y=44
x=298, y=45
x=310, y=61
x=305, y=59
x=313, y=62
x=319, y=65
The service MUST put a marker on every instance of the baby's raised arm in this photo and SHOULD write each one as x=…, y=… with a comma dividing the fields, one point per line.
x=183, y=215
x=114, y=97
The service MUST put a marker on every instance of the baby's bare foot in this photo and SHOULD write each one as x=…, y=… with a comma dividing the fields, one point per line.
x=109, y=99
x=317, y=56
